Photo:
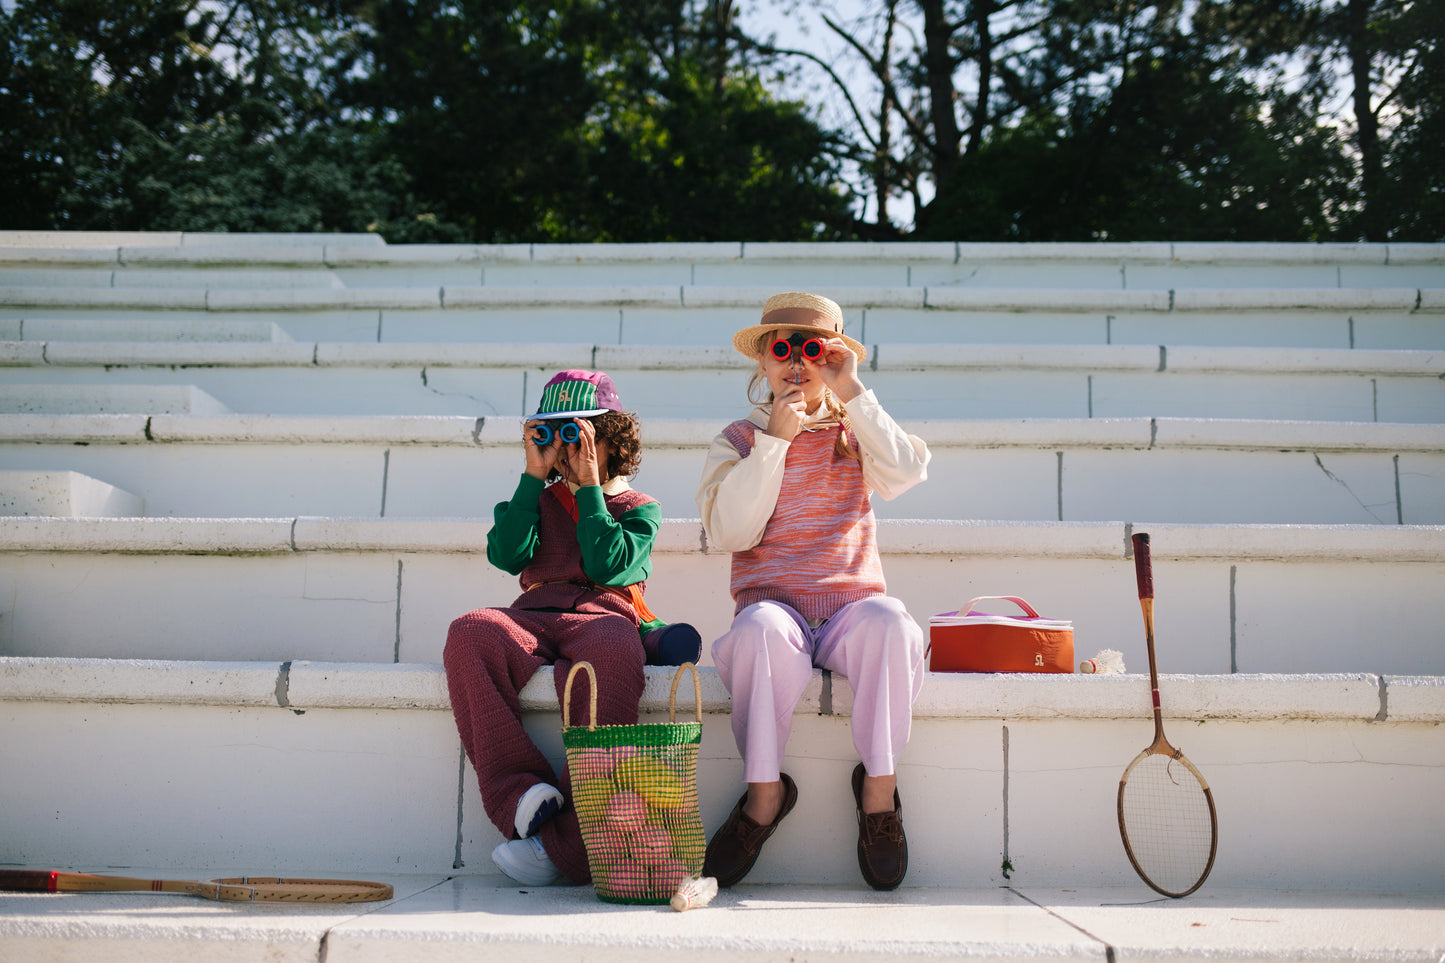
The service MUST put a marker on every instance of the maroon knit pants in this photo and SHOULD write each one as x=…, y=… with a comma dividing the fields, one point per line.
x=489, y=656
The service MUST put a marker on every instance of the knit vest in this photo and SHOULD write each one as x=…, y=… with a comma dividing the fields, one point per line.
x=556, y=566
x=819, y=551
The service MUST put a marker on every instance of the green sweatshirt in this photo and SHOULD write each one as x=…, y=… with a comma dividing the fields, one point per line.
x=615, y=551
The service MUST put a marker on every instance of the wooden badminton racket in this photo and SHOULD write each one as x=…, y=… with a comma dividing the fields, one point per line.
x=1166, y=811
x=243, y=889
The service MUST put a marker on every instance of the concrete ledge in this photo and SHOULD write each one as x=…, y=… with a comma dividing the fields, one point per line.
x=1013, y=299
x=883, y=357
x=1024, y=433
x=942, y=298
x=1341, y=299
x=1304, y=360
x=84, y=298
x=69, y=429
x=234, y=251
x=478, y=296
x=1249, y=252
x=316, y=300
x=340, y=429
x=32, y=254
x=563, y=254
x=16, y=353
x=364, y=245
x=963, y=696
x=1413, y=698
x=150, y=332
x=235, y=354
x=225, y=536
x=421, y=255
x=1096, y=540
x=73, y=239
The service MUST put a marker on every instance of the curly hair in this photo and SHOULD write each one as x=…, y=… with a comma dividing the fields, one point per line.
x=619, y=429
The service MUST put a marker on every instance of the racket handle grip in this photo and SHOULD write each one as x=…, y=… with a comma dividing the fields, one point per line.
x=1143, y=570
x=27, y=880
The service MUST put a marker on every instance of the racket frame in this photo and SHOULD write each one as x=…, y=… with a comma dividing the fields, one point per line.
x=1144, y=574
x=243, y=889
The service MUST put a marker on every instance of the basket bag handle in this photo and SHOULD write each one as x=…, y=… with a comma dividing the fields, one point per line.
x=1027, y=608
x=592, y=676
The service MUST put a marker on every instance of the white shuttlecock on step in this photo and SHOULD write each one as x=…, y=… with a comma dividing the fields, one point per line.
x=1109, y=660
x=694, y=892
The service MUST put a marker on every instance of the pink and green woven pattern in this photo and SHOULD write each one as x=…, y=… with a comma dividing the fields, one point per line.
x=635, y=791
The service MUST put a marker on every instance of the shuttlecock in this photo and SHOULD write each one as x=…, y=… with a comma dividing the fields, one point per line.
x=1109, y=660
x=694, y=892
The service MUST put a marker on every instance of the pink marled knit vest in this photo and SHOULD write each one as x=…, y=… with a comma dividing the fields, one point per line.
x=819, y=551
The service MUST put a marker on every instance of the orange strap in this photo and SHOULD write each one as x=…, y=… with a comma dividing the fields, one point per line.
x=632, y=592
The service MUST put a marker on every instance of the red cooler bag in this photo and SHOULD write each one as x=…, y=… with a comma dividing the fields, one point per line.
x=969, y=641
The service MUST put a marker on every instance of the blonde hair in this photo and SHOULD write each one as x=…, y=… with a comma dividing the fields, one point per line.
x=831, y=404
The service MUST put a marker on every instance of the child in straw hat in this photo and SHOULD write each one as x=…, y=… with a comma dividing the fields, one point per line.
x=582, y=548
x=787, y=490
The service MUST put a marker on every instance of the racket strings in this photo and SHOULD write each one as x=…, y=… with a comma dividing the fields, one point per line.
x=1168, y=823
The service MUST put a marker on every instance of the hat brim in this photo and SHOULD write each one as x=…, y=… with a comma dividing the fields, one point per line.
x=746, y=340
x=559, y=415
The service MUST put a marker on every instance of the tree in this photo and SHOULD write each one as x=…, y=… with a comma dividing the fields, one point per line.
x=591, y=120
x=173, y=115
x=1039, y=119
x=1414, y=188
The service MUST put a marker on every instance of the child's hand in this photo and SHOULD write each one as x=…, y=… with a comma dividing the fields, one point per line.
x=541, y=459
x=789, y=410
x=581, y=456
x=837, y=367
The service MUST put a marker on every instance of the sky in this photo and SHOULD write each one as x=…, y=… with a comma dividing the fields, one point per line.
x=798, y=24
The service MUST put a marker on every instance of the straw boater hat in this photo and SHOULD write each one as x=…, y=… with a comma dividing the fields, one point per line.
x=805, y=312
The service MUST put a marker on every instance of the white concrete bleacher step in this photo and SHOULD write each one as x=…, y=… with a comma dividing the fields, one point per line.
x=445, y=918
x=974, y=382
x=1096, y=265
x=1246, y=598
x=1009, y=780
x=64, y=494
x=1069, y=469
x=1386, y=317
x=1052, y=382
x=101, y=399
x=66, y=330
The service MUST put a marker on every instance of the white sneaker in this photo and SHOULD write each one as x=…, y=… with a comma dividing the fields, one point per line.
x=526, y=862
x=537, y=805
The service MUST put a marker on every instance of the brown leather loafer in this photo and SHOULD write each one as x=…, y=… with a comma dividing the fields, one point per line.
x=882, y=847
x=735, y=846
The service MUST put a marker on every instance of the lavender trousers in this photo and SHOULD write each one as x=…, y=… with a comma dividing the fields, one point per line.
x=767, y=658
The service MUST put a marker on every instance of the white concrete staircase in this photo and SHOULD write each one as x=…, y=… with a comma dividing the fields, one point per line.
x=246, y=483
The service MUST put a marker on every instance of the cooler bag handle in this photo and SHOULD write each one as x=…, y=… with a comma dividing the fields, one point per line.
x=1028, y=609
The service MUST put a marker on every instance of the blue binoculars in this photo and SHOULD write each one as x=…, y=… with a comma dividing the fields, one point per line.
x=811, y=347
x=542, y=433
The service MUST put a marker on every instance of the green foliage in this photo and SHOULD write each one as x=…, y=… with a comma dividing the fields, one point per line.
x=705, y=164
x=649, y=120
x=589, y=121
x=1414, y=192
x=1174, y=153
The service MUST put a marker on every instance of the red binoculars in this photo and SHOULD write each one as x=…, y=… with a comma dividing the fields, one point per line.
x=542, y=433
x=810, y=346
